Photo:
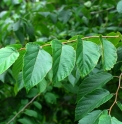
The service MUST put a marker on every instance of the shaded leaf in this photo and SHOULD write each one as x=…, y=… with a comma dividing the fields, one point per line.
x=37, y=105
x=17, y=66
x=90, y=102
x=25, y=121
x=31, y=113
x=42, y=85
x=119, y=105
x=33, y=92
x=93, y=82
x=50, y=97
x=19, y=83
x=71, y=79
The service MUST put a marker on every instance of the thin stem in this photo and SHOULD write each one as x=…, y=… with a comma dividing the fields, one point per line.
x=116, y=94
x=23, y=108
x=116, y=76
x=95, y=12
x=99, y=36
x=71, y=41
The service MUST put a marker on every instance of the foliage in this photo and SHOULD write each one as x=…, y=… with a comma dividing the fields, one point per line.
x=60, y=62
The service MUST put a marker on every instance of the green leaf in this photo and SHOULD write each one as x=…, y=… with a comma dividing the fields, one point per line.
x=105, y=119
x=71, y=79
x=16, y=25
x=88, y=4
x=19, y=83
x=119, y=105
x=70, y=88
x=17, y=66
x=37, y=105
x=87, y=55
x=115, y=121
x=33, y=92
x=91, y=118
x=7, y=57
x=63, y=60
x=109, y=54
x=25, y=121
x=37, y=64
x=113, y=40
x=50, y=97
x=16, y=46
x=90, y=102
x=119, y=7
x=119, y=60
x=31, y=113
x=64, y=15
x=42, y=85
x=93, y=82
x=15, y=2
x=20, y=36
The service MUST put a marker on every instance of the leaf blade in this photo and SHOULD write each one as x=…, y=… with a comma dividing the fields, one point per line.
x=87, y=56
x=91, y=101
x=63, y=60
x=37, y=64
x=93, y=82
x=109, y=54
x=8, y=58
x=91, y=118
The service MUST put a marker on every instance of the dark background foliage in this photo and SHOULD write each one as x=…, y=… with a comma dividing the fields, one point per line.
x=23, y=21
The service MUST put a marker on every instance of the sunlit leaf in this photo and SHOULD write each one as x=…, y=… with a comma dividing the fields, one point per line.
x=37, y=64
x=63, y=60
x=7, y=57
x=87, y=55
x=119, y=6
x=105, y=119
x=109, y=54
x=115, y=121
x=91, y=118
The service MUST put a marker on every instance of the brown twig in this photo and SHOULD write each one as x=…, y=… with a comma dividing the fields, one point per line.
x=23, y=108
x=116, y=94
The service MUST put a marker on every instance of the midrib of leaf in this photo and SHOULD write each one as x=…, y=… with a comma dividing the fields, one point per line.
x=59, y=60
x=103, y=52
